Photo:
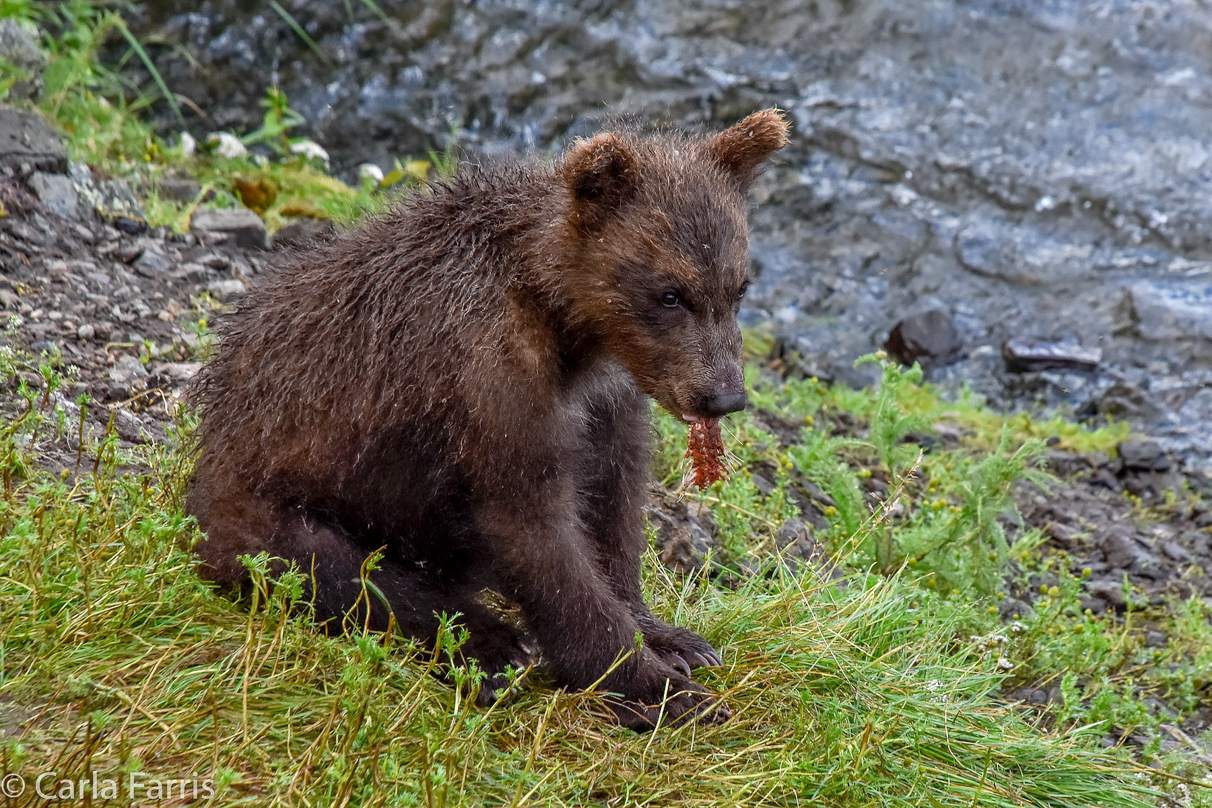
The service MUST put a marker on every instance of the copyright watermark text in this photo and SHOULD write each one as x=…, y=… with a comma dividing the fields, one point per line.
x=129, y=785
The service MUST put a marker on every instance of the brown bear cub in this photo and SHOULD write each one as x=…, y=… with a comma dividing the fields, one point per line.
x=464, y=384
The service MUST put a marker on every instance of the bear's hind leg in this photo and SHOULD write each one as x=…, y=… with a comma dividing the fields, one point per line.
x=333, y=562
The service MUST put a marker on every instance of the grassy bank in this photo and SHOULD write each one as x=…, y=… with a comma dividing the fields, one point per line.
x=118, y=664
x=118, y=659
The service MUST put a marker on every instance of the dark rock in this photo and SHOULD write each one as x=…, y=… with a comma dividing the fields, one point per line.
x=1143, y=455
x=28, y=143
x=1067, y=464
x=1155, y=639
x=1126, y=551
x=129, y=427
x=152, y=263
x=303, y=232
x=1124, y=400
x=180, y=190
x=1025, y=356
x=1097, y=606
x=1014, y=609
x=1111, y=592
x=241, y=227
x=56, y=193
x=1176, y=552
x=930, y=338
x=1105, y=478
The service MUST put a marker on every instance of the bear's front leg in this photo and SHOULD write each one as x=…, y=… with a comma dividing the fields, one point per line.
x=616, y=468
x=545, y=563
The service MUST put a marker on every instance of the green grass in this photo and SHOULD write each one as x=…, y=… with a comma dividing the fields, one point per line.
x=117, y=658
x=103, y=116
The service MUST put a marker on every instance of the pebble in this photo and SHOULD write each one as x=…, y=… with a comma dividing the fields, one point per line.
x=226, y=287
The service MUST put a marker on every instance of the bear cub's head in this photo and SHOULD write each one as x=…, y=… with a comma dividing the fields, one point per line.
x=661, y=255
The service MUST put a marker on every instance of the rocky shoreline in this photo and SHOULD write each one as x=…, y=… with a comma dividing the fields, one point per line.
x=1031, y=174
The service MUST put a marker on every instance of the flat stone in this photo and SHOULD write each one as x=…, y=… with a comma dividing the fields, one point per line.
x=1171, y=310
x=242, y=227
x=179, y=371
x=1143, y=455
x=930, y=338
x=27, y=141
x=1176, y=552
x=226, y=287
x=56, y=193
x=1027, y=355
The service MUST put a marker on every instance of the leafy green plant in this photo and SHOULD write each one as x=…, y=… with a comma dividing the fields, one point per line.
x=278, y=121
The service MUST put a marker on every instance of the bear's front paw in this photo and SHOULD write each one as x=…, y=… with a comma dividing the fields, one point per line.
x=681, y=649
x=657, y=695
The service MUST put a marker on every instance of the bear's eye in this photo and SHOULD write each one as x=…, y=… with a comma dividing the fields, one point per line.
x=670, y=298
x=744, y=288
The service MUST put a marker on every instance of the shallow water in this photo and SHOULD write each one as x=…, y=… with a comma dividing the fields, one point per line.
x=1037, y=170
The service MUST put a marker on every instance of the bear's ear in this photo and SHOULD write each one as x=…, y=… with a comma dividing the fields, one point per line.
x=746, y=146
x=602, y=174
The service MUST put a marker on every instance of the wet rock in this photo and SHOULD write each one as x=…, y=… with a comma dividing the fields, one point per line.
x=1143, y=455
x=930, y=338
x=127, y=376
x=19, y=47
x=303, y=232
x=1171, y=310
x=56, y=193
x=242, y=228
x=28, y=143
x=129, y=427
x=1026, y=355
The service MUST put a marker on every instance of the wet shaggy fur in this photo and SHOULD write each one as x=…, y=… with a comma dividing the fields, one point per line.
x=464, y=385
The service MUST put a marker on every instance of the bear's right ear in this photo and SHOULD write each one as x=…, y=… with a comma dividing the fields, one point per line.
x=601, y=173
x=744, y=147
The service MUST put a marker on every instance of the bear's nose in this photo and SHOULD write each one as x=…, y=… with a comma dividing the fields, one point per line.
x=715, y=406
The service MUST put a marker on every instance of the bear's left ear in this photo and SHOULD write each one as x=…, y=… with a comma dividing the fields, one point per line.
x=747, y=145
x=602, y=175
